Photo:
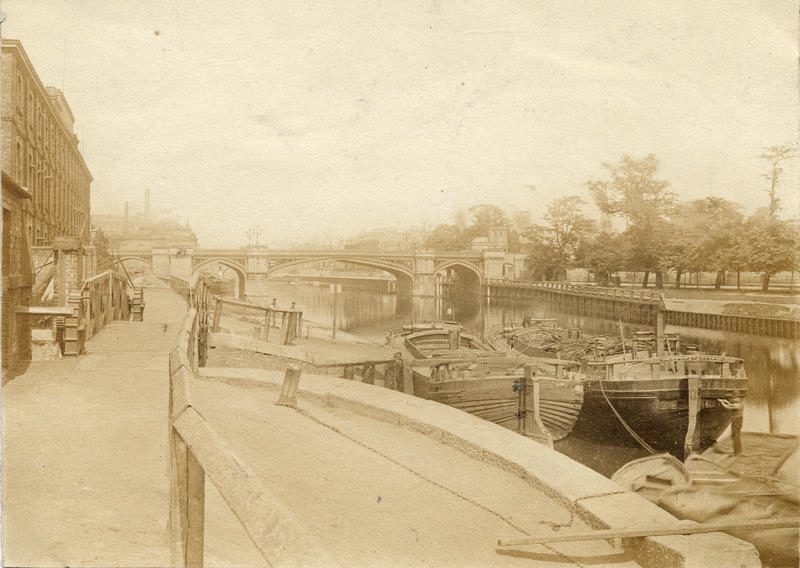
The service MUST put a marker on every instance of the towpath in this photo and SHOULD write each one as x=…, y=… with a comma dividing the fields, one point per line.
x=85, y=449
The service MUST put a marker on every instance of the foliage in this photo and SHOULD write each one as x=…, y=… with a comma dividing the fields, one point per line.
x=445, y=238
x=775, y=156
x=603, y=254
x=105, y=260
x=770, y=245
x=702, y=236
x=553, y=244
x=646, y=203
x=484, y=217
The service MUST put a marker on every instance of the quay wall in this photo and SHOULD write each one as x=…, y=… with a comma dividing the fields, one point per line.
x=594, y=498
x=636, y=306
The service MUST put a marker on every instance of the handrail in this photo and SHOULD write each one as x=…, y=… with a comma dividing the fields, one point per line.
x=197, y=451
x=103, y=298
x=581, y=289
x=102, y=276
x=197, y=291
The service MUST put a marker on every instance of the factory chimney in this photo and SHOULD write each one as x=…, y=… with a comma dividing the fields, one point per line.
x=147, y=203
x=126, y=225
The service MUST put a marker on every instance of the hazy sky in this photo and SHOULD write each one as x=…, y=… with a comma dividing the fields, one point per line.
x=327, y=118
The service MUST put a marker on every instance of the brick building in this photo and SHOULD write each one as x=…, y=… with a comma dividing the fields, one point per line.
x=40, y=152
x=17, y=278
x=45, y=197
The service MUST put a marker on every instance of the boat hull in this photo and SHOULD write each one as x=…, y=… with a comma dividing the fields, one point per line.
x=657, y=411
x=498, y=400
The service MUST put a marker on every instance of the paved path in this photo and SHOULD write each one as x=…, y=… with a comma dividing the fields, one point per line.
x=85, y=449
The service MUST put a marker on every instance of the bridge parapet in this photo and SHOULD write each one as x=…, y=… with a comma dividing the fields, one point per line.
x=415, y=271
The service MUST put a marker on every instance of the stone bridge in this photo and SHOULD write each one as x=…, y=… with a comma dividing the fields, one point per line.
x=415, y=271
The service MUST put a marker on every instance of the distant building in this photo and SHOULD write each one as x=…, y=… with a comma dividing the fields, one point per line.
x=146, y=230
x=521, y=220
x=40, y=152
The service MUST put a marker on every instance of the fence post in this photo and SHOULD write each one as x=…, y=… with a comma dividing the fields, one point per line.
x=291, y=381
x=533, y=425
x=188, y=506
x=693, y=386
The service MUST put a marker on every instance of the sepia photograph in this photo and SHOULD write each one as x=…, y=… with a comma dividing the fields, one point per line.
x=393, y=284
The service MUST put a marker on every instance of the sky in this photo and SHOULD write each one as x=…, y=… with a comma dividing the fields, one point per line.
x=318, y=120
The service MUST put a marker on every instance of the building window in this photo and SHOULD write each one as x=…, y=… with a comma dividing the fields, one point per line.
x=20, y=94
x=19, y=167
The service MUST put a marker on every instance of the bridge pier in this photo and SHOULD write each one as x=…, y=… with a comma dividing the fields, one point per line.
x=161, y=264
x=424, y=267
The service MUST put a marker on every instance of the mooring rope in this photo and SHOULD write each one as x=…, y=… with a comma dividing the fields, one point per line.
x=630, y=430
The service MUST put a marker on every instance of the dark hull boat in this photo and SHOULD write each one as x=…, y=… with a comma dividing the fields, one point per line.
x=672, y=404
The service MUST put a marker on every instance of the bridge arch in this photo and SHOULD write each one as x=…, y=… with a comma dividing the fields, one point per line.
x=405, y=277
x=463, y=268
x=459, y=297
x=145, y=260
x=241, y=274
x=123, y=264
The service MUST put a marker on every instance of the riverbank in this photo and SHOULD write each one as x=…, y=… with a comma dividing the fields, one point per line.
x=733, y=302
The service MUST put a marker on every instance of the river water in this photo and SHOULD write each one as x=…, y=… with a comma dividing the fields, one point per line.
x=773, y=364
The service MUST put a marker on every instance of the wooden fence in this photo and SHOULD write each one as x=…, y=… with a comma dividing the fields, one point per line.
x=198, y=452
x=289, y=323
x=103, y=298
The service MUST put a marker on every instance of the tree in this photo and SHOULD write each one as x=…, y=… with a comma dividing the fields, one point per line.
x=775, y=156
x=105, y=260
x=770, y=245
x=703, y=236
x=553, y=244
x=445, y=237
x=603, y=254
x=484, y=217
x=634, y=192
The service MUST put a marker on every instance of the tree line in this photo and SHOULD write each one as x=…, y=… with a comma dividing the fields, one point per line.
x=661, y=233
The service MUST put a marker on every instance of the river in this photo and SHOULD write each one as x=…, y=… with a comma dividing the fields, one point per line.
x=773, y=364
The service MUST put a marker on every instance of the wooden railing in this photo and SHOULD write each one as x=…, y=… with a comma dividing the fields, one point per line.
x=629, y=294
x=103, y=298
x=197, y=451
x=288, y=322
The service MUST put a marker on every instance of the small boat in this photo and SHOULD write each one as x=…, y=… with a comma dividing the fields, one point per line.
x=721, y=486
x=675, y=403
x=448, y=341
x=459, y=370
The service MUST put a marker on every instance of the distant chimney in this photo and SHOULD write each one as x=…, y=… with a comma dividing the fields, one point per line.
x=147, y=202
x=126, y=224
